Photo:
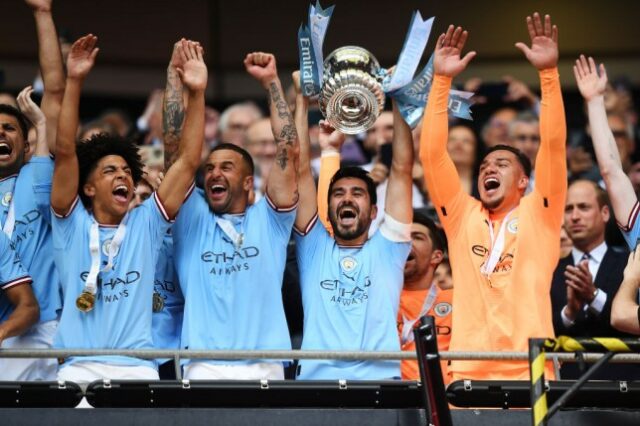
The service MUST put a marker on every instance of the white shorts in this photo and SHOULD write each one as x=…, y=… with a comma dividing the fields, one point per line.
x=84, y=373
x=255, y=371
x=40, y=336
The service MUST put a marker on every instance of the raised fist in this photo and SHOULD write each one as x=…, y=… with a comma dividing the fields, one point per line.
x=262, y=67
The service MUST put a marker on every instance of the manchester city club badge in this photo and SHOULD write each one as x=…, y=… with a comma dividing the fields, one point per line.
x=348, y=264
x=442, y=309
x=6, y=199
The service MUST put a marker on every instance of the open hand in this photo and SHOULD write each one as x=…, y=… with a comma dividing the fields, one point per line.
x=589, y=82
x=543, y=53
x=193, y=72
x=29, y=108
x=447, y=60
x=82, y=56
x=262, y=67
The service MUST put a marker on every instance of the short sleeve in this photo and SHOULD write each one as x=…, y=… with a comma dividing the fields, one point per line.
x=631, y=231
x=188, y=214
x=41, y=169
x=307, y=242
x=11, y=271
x=64, y=226
x=280, y=219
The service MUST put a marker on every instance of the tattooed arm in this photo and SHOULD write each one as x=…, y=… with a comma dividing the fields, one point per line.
x=172, y=109
x=282, y=183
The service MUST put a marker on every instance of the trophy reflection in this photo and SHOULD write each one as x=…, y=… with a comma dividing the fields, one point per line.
x=351, y=97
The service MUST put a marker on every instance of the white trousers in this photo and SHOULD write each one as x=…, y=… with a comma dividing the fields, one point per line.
x=256, y=371
x=40, y=336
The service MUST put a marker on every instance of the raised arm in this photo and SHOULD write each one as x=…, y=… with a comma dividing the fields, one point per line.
x=399, y=190
x=180, y=175
x=37, y=118
x=65, y=173
x=624, y=309
x=441, y=177
x=172, y=108
x=592, y=87
x=282, y=184
x=307, y=206
x=51, y=66
x=551, y=169
x=331, y=142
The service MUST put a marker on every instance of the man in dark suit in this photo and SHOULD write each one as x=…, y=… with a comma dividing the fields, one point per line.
x=585, y=282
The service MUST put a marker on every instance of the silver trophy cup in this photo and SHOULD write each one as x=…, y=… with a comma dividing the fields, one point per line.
x=351, y=97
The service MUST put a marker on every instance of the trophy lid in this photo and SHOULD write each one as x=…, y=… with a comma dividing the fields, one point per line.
x=351, y=57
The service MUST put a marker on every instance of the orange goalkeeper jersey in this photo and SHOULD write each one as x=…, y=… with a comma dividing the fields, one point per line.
x=411, y=303
x=499, y=312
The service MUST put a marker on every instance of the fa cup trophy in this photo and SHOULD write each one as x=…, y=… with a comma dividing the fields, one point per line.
x=351, y=97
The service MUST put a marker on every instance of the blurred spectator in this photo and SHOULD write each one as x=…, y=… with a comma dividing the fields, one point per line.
x=585, y=281
x=261, y=145
x=95, y=127
x=8, y=99
x=150, y=123
x=524, y=134
x=442, y=276
x=565, y=243
x=211, y=127
x=235, y=120
x=120, y=121
x=496, y=130
x=462, y=146
x=621, y=131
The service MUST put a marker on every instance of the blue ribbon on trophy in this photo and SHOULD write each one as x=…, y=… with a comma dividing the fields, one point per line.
x=310, y=41
x=412, y=98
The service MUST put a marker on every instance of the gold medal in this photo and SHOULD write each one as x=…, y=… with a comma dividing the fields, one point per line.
x=158, y=302
x=86, y=301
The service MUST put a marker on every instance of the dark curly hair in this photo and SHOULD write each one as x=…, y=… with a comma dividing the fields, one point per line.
x=23, y=122
x=92, y=150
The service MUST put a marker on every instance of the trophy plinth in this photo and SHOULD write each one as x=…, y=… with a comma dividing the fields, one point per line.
x=351, y=97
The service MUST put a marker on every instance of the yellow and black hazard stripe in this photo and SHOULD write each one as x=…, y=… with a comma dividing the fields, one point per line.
x=538, y=394
x=595, y=344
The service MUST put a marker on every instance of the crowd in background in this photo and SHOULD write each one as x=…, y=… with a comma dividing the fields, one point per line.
x=506, y=112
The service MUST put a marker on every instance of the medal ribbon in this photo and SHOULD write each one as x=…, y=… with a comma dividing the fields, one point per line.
x=230, y=231
x=497, y=246
x=406, y=336
x=94, y=248
x=10, y=223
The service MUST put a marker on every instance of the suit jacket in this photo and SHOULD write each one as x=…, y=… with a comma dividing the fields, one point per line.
x=588, y=324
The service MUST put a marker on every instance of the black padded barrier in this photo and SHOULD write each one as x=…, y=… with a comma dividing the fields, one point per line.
x=515, y=394
x=272, y=394
x=39, y=394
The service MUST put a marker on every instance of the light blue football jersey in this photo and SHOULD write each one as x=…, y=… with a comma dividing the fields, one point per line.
x=350, y=297
x=11, y=274
x=233, y=295
x=166, y=323
x=121, y=318
x=31, y=237
x=632, y=232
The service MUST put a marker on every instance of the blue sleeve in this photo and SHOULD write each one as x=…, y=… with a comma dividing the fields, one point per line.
x=394, y=253
x=11, y=270
x=308, y=242
x=41, y=169
x=155, y=217
x=632, y=235
x=280, y=220
x=63, y=227
x=186, y=219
